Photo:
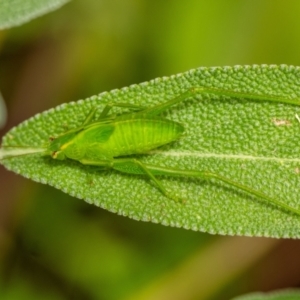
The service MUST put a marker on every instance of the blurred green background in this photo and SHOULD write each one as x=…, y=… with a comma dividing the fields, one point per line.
x=53, y=246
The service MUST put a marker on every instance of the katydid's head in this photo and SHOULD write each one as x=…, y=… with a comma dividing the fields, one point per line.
x=57, y=146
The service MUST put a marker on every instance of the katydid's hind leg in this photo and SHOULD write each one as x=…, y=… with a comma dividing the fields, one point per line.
x=134, y=166
x=156, y=170
x=194, y=91
x=189, y=93
x=160, y=108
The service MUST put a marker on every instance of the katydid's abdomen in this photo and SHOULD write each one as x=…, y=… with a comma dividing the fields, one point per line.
x=141, y=135
x=122, y=137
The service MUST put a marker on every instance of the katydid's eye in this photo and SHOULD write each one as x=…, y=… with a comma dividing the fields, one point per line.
x=51, y=138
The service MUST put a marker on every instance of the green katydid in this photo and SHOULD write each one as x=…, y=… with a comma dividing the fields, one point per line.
x=111, y=141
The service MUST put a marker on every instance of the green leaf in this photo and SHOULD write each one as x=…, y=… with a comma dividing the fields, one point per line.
x=289, y=294
x=252, y=142
x=17, y=12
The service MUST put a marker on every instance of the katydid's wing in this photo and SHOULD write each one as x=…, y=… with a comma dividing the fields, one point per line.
x=97, y=133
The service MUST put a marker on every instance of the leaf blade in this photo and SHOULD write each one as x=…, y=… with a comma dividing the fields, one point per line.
x=252, y=142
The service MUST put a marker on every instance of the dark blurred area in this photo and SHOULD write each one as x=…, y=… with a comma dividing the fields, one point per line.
x=53, y=246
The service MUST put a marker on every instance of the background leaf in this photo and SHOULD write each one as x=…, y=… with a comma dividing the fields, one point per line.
x=288, y=294
x=3, y=112
x=17, y=12
x=252, y=142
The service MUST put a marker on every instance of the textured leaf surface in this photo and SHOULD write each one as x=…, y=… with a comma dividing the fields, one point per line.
x=17, y=12
x=278, y=295
x=252, y=142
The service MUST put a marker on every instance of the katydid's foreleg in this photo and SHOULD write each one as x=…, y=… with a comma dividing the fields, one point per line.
x=106, y=110
x=90, y=116
x=109, y=106
x=102, y=164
